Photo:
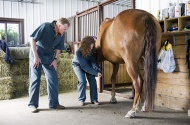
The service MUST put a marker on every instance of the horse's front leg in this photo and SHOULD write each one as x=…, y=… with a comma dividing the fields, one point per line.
x=113, y=81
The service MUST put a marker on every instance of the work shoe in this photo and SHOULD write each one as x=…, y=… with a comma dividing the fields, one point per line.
x=96, y=103
x=81, y=103
x=58, y=107
x=33, y=109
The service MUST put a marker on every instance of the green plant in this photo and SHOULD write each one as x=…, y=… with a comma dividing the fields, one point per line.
x=12, y=35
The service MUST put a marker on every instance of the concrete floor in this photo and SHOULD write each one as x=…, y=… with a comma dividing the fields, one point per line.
x=16, y=112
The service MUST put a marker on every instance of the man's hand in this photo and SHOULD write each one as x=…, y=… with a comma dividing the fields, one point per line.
x=54, y=64
x=36, y=62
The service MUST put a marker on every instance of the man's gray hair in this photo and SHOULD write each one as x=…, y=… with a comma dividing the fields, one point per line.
x=64, y=21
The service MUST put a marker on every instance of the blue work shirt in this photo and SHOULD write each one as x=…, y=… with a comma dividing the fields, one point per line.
x=88, y=64
x=47, y=41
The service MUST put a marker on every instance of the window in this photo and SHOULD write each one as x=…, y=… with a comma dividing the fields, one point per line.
x=12, y=31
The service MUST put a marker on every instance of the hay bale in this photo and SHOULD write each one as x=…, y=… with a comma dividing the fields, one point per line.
x=6, y=88
x=68, y=83
x=17, y=86
x=20, y=67
x=66, y=75
x=14, y=78
x=13, y=87
x=4, y=68
x=2, y=54
x=43, y=86
x=66, y=55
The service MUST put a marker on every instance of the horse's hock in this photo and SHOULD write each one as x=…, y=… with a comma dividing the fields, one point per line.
x=14, y=78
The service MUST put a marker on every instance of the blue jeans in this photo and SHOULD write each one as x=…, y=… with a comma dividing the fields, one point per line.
x=52, y=84
x=81, y=75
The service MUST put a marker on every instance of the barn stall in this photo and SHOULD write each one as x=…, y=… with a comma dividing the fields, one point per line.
x=171, y=89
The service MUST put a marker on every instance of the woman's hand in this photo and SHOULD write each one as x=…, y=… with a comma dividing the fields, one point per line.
x=36, y=62
x=54, y=63
x=99, y=74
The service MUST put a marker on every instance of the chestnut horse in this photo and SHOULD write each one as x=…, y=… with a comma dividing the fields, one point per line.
x=131, y=35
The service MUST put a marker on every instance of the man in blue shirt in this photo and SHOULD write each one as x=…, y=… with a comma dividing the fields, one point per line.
x=46, y=42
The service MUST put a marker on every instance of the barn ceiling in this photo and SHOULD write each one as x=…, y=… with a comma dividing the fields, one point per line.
x=118, y=2
x=22, y=1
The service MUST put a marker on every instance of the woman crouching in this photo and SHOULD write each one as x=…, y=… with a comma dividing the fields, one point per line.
x=85, y=67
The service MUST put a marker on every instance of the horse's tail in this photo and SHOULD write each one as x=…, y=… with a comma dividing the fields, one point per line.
x=150, y=68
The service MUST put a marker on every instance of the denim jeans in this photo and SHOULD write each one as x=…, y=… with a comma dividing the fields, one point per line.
x=82, y=75
x=34, y=87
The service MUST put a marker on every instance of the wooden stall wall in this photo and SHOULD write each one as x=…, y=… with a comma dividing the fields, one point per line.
x=122, y=76
x=173, y=89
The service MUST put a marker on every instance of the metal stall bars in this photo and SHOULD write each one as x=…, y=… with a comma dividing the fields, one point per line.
x=87, y=22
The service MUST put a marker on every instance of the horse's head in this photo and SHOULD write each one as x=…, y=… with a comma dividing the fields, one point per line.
x=100, y=40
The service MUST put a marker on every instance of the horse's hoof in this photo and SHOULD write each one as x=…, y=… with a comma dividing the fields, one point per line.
x=113, y=101
x=130, y=114
x=143, y=109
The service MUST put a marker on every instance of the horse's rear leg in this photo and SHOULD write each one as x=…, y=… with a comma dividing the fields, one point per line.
x=113, y=81
x=134, y=73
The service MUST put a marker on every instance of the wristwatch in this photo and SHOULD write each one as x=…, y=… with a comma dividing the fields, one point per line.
x=55, y=58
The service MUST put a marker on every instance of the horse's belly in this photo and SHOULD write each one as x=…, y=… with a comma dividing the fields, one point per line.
x=114, y=59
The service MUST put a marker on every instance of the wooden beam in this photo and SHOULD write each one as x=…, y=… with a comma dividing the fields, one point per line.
x=133, y=4
x=95, y=7
x=107, y=2
x=91, y=10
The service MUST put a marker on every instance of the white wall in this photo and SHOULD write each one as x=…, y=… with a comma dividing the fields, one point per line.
x=111, y=10
x=153, y=6
x=45, y=11
x=48, y=10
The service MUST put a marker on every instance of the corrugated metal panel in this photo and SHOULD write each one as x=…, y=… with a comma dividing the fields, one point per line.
x=118, y=2
x=112, y=10
x=35, y=14
x=45, y=11
x=88, y=25
x=7, y=13
x=14, y=13
x=1, y=8
x=29, y=19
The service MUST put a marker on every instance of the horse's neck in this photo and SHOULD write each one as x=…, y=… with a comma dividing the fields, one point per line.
x=100, y=57
x=102, y=33
x=109, y=32
x=108, y=38
x=101, y=40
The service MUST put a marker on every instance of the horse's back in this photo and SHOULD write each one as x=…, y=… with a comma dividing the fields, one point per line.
x=132, y=22
x=131, y=27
